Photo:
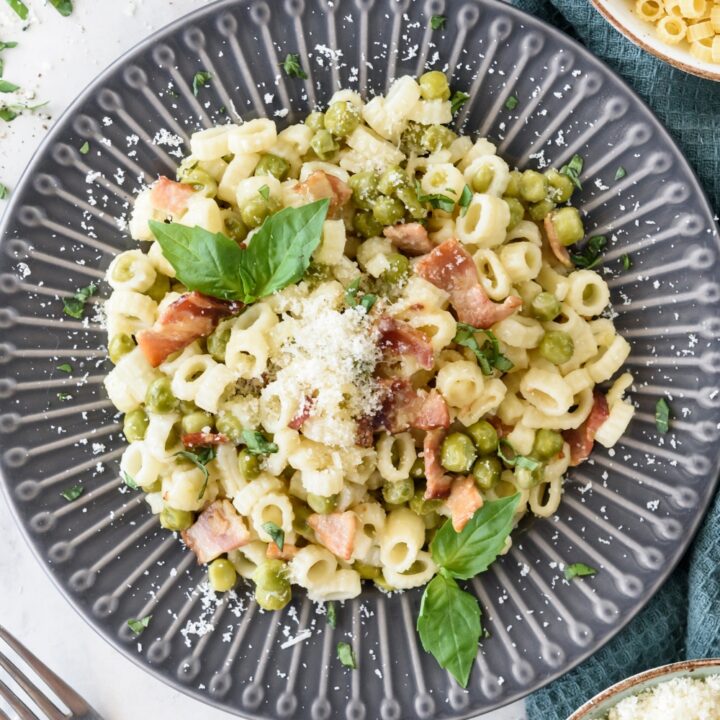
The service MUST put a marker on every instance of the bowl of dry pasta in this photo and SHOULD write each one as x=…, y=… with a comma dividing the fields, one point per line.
x=684, y=33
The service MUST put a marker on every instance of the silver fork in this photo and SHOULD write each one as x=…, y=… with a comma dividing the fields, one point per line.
x=79, y=709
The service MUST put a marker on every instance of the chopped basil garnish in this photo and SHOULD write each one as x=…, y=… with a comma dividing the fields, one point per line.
x=331, y=614
x=458, y=99
x=573, y=170
x=257, y=444
x=276, y=533
x=512, y=102
x=590, y=254
x=64, y=7
x=73, y=493
x=291, y=66
x=489, y=355
x=19, y=7
x=528, y=463
x=65, y=367
x=578, y=570
x=74, y=306
x=200, y=79
x=506, y=452
x=264, y=191
x=215, y=265
x=7, y=45
x=662, y=416
x=367, y=301
x=129, y=480
x=436, y=200
x=200, y=458
x=437, y=22
x=64, y=396
x=8, y=87
x=9, y=112
x=4, y=192
x=620, y=173
x=346, y=655
x=465, y=199
x=85, y=148
x=626, y=262
x=137, y=626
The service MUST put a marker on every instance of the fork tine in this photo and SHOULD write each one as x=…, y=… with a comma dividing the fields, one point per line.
x=33, y=692
x=23, y=711
x=73, y=701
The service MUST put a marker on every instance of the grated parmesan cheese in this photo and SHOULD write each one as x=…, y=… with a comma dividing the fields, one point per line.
x=677, y=699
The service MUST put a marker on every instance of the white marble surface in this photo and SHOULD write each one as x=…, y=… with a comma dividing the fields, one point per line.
x=56, y=57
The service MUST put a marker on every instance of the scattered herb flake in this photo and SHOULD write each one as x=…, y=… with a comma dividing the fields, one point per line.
x=590, y=254
x=200, y=458
x=465, y=200
x=626, y=262
x=200, y=79
x=264, y=191
x=85, y=148
x=19, y=7
x=506, y=452
x=367, y=301
x=4, y=192
x=65, y=367
x=64, y=7
x=137, y=626
x=129, y=480
x=9, y=112
x=74, y=306
x=578, y=570
x=257, y=444
x=291, y=66
x=64, y=396
x=437, y=22
x=276, y=533
x=662, y=416
x=620, y=173
x=73, y=493
x=331, y=614
x=512, y=102
x=8, y=87
x=489, y=355
x=528, y=463
x=352, y=291
x=346, y=655
x=4, y=45
x=458, y=100
x=573, y=170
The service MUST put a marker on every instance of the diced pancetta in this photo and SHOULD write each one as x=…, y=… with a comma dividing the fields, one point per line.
x=397, y=338
x=170, y=196
x=336, y=531
x=558, y=249
x=191, y=316
x=438, y=483
x=198, y=439
x=403, y=407
x=217, y=530
x=433, y=412
x=463, y=501
x=303, y=413
x=288, y=551
x=411, y=238
x=451, y=267
x=320, y=185
x=582, y=439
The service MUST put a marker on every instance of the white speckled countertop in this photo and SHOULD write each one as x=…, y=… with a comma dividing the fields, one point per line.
x=55, y=59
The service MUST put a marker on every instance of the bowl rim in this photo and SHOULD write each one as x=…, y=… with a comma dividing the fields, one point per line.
x=602, y=6
x=687, y=666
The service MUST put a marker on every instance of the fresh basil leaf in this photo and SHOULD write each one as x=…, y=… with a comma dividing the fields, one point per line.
x=137, y=626
x=465, y=200
x=264, y=191
x=129, y=480
x=512, y=102
x=469, y=552
x=346, y=655
x=578, y=570
x=19, y=7
x=331, y=614
x=200, y=458
x=590, y=253
x=73, y=493
x=4, y=192
x=8, y=87
x=662, y=416
x=200, y=80
x=458, y=99
x=74, y=306
x=64, y=7
x=449, y=626
x=276, y=533
x=85, y=148
x=291, y=66
x=257, y=444
x=437, y=22
x=573, y=170
x=620, y=173
x=7, y=114
x=65, y=367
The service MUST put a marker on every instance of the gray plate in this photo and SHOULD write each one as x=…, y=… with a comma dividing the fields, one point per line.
x=631, y=512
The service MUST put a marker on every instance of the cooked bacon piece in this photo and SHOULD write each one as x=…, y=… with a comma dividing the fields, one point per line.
x=438, y=483
x=501, y=428
x=170, y=196
x=398, y=338
x=451, y=267
x=411, y=238
x=198, y=439
x=463, y=501
x=582, y=439
x=433, y=412
x=192, y=316
x=321, y=185
x=558, y=249
x=303, y=413
x=275, y=553
x=217, y=530
x=364, y=432
x=336, y=531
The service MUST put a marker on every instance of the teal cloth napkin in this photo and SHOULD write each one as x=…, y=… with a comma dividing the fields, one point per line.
x=683, y=619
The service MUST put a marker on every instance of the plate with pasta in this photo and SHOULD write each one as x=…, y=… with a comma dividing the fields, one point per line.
x=374, y=389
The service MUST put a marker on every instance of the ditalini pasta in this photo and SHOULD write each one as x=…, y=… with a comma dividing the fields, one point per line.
x=409, y=342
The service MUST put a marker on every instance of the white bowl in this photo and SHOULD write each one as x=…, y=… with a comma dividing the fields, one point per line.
x=621, y=14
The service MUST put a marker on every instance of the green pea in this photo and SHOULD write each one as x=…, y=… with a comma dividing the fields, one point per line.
x=420, y=506
x=248, y=464
x=315, y=121
x=217, y=341
x=533, y=186
x=417, y=471
x=383, y=584
x=120, y=345
x=547, y=444
x=229, y=425
x=187, y=406
x=301, y=512
x=387, y=210
x=484, y=436
x=457, y=453
x=398, y=270
x=159, y=397
x=255, y=211
x=196, y=422
x=486, y=471
x=557, y=347
x=561, y=186
x=366, y=225
x=517, y=211
x=318, y=273
x=160, y=287
x=173, y=437
x=545, y=306
x=222, y=575
x=235, y=228
x=273, y=599
x=364, y=186
x=392, y=179
x=135, y=424
x=274, y=165
x=341, y=118
x=481, y=179
x=434, y=86
x=513, y=186
x=398, y=492
x=153, y=487
x=431, y=521
x=525, y=478
x=568, y=225
x=411, y=139
x=367, y=572
x=322, y=504
x=324, y=144
x=437, y=137
x=176, y=520
x=272, y=591
x=539, y=211
x=409, y=198
x=201, y=181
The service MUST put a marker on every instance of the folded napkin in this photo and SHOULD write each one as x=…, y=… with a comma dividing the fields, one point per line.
x=683, y=619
